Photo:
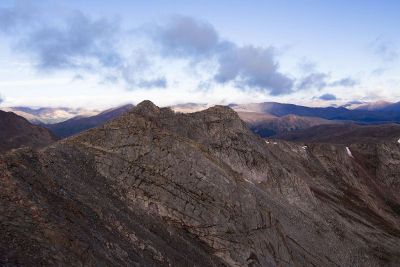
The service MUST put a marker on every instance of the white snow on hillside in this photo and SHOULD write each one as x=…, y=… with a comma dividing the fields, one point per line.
x=349, y=152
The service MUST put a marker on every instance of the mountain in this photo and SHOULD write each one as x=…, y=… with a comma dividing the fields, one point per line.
x=378, y=105
x=17, y=132
x=45, y=115
x=329, y=113
x=158, y=188
x=79, y=124
x=189, y=107
x=395, y=107
x=268, y=125
x=345, y=134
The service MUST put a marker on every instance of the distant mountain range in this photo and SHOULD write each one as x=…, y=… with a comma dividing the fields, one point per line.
x=46, y=115
x=345, y=134
x=385, y=114
x=266, y=119
x=79, y=124
x=266, y=125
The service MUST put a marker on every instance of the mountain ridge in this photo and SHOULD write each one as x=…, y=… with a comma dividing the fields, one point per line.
x=154, y=187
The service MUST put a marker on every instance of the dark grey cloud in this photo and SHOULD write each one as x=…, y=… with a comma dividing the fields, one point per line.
x=385, y=49
x=253, y=67
x=79, y=43
x=184, y=36
x=328, y=97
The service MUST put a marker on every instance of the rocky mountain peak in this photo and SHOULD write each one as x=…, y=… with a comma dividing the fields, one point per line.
x=147, y=108
x=222, y=111
x=158, y=188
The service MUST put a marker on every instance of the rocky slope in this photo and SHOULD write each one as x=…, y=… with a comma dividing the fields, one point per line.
x=16, y=132
x=155, y=188
x=266, y=125
x=345, y=134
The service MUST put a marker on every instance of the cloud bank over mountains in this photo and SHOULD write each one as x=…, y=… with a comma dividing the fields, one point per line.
x=82, y=44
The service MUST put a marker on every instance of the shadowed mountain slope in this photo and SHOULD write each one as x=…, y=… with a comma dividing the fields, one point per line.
x=80, y=124
x=155, y=188
x=16, y=132
x=345, y=134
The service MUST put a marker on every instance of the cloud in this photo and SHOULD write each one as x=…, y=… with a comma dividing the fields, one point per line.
x=307, y=66
x=22, y=13
x=79, y=43
x=247, y=67
x=83, y=44
x=253, y=67
x=313, y=80
x=184, y=36
x=345, y=82
x=160, y=82
x=385, y=49
x=1, y=99
x=319, y=80
x=379, y=71
x=328, y=97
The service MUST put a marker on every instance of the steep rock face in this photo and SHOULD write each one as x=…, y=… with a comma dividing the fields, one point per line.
x=16, y=132
x=155, y=188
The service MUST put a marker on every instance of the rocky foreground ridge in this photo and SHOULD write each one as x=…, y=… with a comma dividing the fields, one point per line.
x=158, y=188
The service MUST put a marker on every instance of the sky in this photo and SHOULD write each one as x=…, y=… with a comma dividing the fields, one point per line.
x=99, y=53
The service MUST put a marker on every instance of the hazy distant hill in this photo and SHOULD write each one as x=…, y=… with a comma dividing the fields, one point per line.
x=377, y=105
x=267, y=125
x=330, y=113
x=46, y=115
x=79, y=124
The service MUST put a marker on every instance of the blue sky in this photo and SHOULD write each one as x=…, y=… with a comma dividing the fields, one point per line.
x=105, y=53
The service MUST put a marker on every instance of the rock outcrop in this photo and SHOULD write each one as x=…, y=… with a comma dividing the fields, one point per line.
x=156, y=188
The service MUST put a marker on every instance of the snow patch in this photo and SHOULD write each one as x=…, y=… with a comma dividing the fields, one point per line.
x=247, y=180
x=304, y=147
x=275, y=143
x=398, y=141
x=267, y=142
x=349, y=152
